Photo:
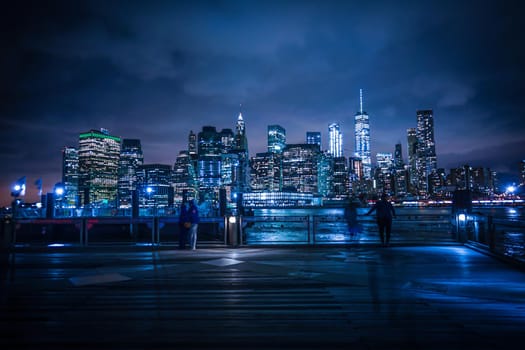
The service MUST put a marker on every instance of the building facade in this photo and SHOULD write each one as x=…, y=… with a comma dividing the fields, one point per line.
x=335, y=138
x=276, y=139
x=70, y=176
x=362, y=138
x=426, y=160
x=131, y=157
x=98, y=158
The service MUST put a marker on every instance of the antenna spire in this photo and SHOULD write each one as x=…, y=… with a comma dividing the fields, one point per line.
x=361, y=100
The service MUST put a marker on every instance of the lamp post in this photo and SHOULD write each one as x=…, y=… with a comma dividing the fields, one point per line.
x=58, y=192
x=18, y=190
x=149, y=193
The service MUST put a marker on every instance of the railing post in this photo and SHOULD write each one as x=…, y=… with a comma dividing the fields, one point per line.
x=492, y=233
x=240, y=232
x=311, y=229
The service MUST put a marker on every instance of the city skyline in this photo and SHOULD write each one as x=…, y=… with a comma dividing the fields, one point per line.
x=154, y=71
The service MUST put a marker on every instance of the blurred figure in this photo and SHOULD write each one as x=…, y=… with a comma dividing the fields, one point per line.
x=184, y=224
x=193, y=214
x=384, y=213
x=351, y=217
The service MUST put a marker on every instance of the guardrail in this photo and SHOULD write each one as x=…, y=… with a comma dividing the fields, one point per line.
x=501, y=236
x=248, y=230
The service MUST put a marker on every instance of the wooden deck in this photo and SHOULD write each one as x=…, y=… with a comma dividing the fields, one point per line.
x=401, y=297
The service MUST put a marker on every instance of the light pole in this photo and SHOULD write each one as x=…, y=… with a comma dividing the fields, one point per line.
x=149, y=192
x=58, y=192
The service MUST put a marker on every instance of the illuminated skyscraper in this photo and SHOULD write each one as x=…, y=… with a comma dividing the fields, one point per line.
x=336, y=140
x=266, y=172
x=412, y=158
x=398, y=157
x=192, y=145
x=276, y=139
x=131, y=158
x=300, y=168
x=98, y=158
x=241, y=177
x=341, y=184
x=184, y=178
x=158, y=177
x=70, y=175
x=362, y=138
x=313, y=138
x=426, y=149
x=384, y=173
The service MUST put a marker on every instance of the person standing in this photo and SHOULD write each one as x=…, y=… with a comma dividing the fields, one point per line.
x=193, y=214
x=184, y=224
x=351, y=217
x=384, y=213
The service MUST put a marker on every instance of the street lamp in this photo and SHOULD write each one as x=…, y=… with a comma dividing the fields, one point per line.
x=18, y=190
x=149, y=192
x=58, y=192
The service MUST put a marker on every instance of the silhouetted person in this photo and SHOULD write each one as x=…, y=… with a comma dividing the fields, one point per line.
x=351, y=217
x=384, y=213
x=184, y=224
x=193, y=213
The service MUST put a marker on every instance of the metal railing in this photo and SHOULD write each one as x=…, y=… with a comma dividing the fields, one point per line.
x=501, y=236
x=250, y=230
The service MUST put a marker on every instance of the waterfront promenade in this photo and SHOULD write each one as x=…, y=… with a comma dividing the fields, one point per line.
x=442, y=296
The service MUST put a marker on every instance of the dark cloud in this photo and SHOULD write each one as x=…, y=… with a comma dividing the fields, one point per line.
x=155, y=70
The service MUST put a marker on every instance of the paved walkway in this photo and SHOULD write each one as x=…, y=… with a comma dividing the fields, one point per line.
x=402, y=297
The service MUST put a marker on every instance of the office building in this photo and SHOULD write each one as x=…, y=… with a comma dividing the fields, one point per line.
x=70, y=176
x=426, y=150
x=266, y=172
x=184, y=179
x=131, y=157
x=412, y=159
x=98, y=158
x=335, y=138
x=314, y=138
x=300, y=168
x=154, y=185
x=362, y=138
x=276, y=139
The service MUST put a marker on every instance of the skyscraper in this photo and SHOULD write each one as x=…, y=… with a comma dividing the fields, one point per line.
x=184, y=178
x=131, y=158
x=336, y=140
x=192, y=145
x=426, y=149
x=313, y=138
x=362, y=138
x=412, y=158
x=266, y=172
x=98, y=158
x=398, y=156
x=276, y=139
x=300, y=168
x=158, y=178
x=70, y=175
x=241, y=181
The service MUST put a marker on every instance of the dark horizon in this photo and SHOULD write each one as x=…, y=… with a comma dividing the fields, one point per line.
x=156, y=70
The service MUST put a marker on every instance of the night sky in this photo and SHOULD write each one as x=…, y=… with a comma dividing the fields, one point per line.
x=154, y=70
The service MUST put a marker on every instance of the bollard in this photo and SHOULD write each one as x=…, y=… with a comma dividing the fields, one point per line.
x=232, y=230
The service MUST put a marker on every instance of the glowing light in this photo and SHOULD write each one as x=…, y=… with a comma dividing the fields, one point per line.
x=462, y=217
x=232, y=219
x=511, y=189
x=149, y=189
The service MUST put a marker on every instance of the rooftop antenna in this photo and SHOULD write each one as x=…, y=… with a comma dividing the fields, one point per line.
x=361, y=100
